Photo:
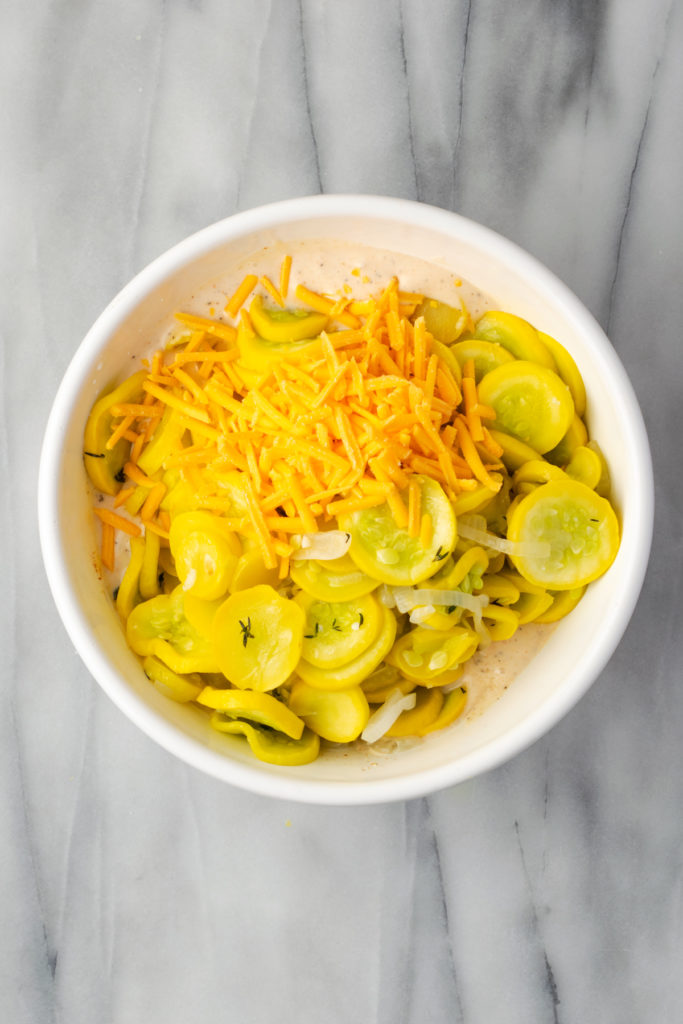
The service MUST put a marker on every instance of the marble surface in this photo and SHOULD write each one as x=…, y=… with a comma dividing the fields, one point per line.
x=135, y=889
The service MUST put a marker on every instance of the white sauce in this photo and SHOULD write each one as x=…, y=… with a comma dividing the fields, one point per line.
x=491, y=671
x=327, y=267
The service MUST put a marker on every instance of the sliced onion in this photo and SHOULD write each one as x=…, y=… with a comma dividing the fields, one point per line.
x=477, y=522
x=406, y=599
x=456, y=685
x=323, y=546
x=386, y=596
x=481, y=629
x=523, y=549
x=382, y=720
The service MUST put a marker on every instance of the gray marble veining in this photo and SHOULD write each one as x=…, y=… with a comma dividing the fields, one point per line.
x=133, y=888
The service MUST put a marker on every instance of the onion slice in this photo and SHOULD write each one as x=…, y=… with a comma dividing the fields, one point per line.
x=323, y=546
x=386, y=596
x=406, y=599
x=523, y=549
x=382, y=720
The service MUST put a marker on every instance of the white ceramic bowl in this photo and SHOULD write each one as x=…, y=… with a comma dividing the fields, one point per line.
x=555, y=679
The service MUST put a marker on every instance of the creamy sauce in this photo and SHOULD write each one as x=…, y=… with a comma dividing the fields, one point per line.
x=344, y=269
x=328, y=267
x=492, y=669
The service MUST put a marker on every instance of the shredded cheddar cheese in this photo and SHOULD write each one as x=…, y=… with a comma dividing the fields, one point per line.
x=108, y=542
x=118, y=522
x=323, y=305
x=341, y=426
x=241, y=295
x=284, y=276
x=272, y=290
x=202, y=324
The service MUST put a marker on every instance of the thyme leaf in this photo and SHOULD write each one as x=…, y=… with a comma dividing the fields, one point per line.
x=246, y=631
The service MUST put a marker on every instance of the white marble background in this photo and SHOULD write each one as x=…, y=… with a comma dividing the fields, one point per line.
x=133, y=889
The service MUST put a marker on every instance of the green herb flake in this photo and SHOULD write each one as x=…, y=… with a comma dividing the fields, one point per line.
x=246, y=632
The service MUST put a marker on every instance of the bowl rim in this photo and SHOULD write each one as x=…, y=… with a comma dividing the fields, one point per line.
x=489, y=755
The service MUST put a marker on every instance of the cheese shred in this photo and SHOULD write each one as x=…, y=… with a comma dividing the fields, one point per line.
x=342, y=424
